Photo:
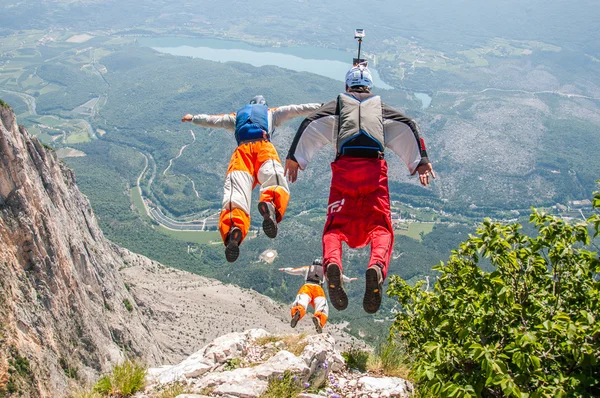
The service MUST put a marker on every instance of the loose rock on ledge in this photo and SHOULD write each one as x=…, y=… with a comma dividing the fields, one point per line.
x=242, y=364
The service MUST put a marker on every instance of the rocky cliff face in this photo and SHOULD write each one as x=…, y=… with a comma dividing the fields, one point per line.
x=65, y=313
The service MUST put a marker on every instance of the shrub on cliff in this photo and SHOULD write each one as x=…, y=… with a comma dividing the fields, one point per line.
x=123, y=381
x=530, y=328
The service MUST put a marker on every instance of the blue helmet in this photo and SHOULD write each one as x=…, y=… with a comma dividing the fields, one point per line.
x=259, y=99
x=359, y=76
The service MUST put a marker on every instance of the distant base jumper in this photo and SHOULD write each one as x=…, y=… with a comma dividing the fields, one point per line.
x=311, y=293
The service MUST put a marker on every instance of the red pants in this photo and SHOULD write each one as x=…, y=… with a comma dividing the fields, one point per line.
x=359, y=211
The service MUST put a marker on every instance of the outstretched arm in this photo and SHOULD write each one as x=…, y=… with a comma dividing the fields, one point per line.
x=284, y=113
x=315, y=131
x=295, y=271
x=403, y=137
x=213, y=121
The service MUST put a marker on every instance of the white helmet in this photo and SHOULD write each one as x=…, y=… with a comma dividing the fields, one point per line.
x=359, y=76
x=259, y=99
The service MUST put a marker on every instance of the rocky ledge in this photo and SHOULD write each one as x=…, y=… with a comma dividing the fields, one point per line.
x=243, y=364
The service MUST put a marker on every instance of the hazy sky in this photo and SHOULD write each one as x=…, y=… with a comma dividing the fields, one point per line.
x=572, y=24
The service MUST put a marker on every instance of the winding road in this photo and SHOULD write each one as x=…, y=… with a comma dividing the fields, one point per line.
x=157, y=215
x=180, y=153
x=28, y=99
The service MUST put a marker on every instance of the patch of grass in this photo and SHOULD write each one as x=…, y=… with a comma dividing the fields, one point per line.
x=200, y=237
x=50, y=121
x=285, y=386
x=356, y=358
x=267, y=339
x=138, y=202
x=123, y=381
x=415, y=230
x=19, y=370
x=207, y=390
x=69, y=370
x=128, y=305
x=232, y=364
x=171, y=390
x=48, y=147
x=20, y=365
x=295, y=345
x=85, y=394
x=4, y=104
x=292, y=342
x=78, y=138
x=49, y=89
x=389, y=359
x=3, y=380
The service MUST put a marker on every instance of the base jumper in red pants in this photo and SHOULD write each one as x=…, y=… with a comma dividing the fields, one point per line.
x=359, y=126
x=359, y=211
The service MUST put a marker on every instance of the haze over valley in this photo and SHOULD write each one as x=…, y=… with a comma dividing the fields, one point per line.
x=506, y=95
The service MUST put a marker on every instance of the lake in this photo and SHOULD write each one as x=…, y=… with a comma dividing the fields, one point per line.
x=424, y=98
x=318, y=60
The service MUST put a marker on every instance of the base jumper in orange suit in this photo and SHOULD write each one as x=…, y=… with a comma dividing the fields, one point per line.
x=360, y=126
x=311, y=293
x=255, y=161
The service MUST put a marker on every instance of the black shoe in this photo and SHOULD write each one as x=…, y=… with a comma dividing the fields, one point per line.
x=232, y=251
x=317, y=323
x=372, y=299
x=267, y=210
x=337, y=294
x=295, y=319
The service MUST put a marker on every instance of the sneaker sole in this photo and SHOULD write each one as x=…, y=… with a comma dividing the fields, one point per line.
x=232, y=251
x=295, y=320
x=317, y=325
x=372, y=299
x=337, y=294
x=269, y=225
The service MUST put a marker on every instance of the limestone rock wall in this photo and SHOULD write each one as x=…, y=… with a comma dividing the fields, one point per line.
x=65, y=313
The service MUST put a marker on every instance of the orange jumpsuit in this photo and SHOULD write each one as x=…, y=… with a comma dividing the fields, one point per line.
x=311, y=293
x=252, y=163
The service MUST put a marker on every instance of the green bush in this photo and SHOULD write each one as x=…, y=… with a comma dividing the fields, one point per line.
x=285, y=386
x=19, y=372
x=124, y=380
x=356, y=358
x=127, y=305
x=530, y=328
x=232, y=364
